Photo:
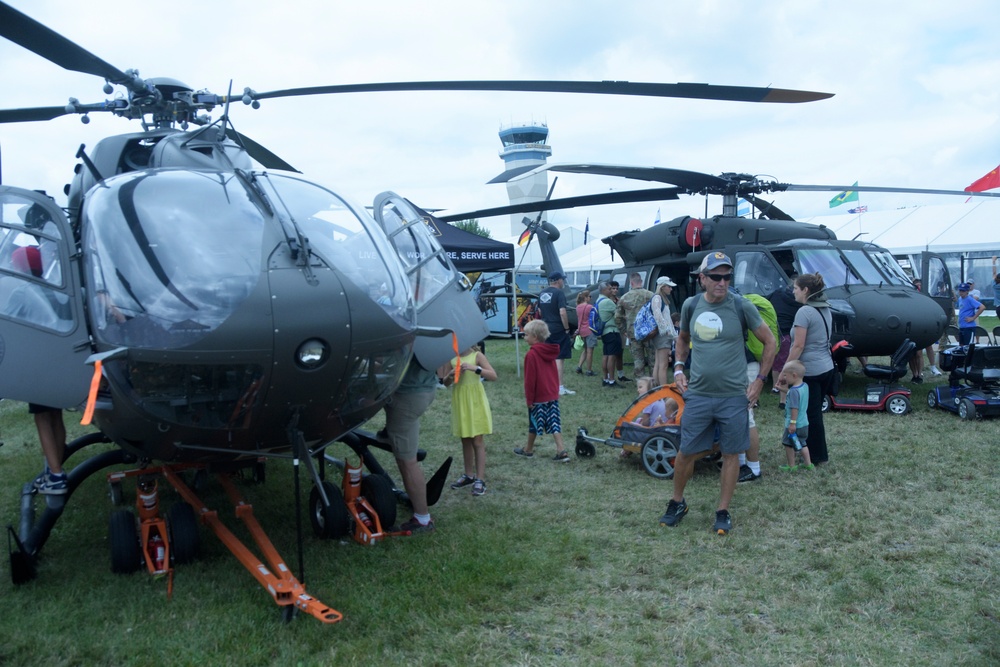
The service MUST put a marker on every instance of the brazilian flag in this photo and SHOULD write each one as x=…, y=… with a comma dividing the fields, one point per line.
x=844, y=197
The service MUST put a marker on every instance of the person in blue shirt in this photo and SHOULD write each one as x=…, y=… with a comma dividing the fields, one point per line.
x=968, y=311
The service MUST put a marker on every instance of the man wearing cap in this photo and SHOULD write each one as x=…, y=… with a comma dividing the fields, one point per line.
x=717, y=394
x=643, y=352
x=552, y=306
x=969, y=309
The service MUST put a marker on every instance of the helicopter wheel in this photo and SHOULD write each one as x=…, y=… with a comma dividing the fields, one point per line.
x=932, y=399
x=898, y=405
x=185, y=540
x=967, y=409
x=329, y=522
x=116, y=492
x=658, y=454
x=378, y=492
x=123, y=537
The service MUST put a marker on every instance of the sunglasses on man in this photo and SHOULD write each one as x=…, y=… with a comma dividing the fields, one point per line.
x=728, y=277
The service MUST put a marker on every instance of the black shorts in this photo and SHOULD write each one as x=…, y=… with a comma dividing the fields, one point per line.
x=612, y=344
x=563, y=340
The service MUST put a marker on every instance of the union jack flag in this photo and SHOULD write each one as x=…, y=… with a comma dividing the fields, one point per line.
x=858, y=209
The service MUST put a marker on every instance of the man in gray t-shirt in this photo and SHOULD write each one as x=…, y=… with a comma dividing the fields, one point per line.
x=718, y=394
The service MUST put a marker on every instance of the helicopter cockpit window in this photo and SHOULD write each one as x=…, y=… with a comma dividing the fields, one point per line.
x=170, y=255
x=829, y=263
x=884, y=260
x=346, y=239
x=862, y=263
x=424, y=258
x=30, y=268
x=755, y=273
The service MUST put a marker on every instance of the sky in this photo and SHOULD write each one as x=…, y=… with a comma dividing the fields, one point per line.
x=916, y=93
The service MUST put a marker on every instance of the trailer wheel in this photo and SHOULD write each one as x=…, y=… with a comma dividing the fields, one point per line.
x=658, y=454
x=378, y=492
x=123, y=538
x=329, y=522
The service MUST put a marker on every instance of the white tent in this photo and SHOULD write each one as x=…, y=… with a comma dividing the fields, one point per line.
x=952, y=228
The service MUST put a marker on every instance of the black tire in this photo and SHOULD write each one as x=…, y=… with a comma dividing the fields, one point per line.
x=116, y=492
x=897, y=405
x=658, y=454
x=378, y=492
x=932, y=399
x=182, y=530
x=331, y=522
x=123, y=538
x=967, y=409
x=585, y=450
x=259, y=472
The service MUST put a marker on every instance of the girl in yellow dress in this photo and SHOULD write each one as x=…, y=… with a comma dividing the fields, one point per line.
x=471, y=417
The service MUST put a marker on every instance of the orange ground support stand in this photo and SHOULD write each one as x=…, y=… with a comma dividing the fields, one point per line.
x=277, y=579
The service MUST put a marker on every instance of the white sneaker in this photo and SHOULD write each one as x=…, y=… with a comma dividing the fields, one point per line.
x=935, y=371
x=563, y=391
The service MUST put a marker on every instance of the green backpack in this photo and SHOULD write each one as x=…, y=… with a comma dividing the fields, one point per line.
x=770, y=318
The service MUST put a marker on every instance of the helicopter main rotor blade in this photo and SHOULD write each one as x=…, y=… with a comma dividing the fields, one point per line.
x=875, y=188
x=652, y=194
x=700, y=91
x=31, y=114
x=52, y=46
x=692, y=181
x=259, y=153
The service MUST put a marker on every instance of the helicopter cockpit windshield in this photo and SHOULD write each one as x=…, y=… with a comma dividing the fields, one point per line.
x=851, y=266
x=172, y=253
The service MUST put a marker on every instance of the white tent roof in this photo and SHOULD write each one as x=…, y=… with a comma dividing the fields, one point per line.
x=964, y=227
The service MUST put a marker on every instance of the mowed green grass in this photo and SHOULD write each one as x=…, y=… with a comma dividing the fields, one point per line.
x=888, y=555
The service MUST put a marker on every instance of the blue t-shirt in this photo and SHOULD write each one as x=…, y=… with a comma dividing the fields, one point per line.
x=798, y=397
x=967, y=307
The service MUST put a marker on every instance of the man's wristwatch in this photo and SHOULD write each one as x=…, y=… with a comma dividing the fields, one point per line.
x=479, y=370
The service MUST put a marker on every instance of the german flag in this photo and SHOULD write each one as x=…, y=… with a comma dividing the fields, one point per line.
x=525, y=235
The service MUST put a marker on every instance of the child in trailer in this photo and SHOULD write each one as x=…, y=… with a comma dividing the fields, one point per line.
x=471, y=417
x=541, y=390
x=796, y=421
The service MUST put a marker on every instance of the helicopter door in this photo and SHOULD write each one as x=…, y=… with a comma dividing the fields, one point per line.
x=43, y=341
x=443, y=296
x=756, y=270
x=936, y=281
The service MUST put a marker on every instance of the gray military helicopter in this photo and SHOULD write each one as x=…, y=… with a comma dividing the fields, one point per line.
x=206, y=314
x=875, y=306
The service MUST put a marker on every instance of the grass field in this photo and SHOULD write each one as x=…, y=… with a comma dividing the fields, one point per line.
x=888, y=555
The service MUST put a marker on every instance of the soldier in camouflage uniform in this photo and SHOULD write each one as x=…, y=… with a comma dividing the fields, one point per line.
x=643, y=353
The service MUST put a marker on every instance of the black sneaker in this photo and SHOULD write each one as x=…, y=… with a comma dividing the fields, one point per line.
x=54, y=485
x=622, y=378
x=918, y=379
x=747, y=475
x=579, y=371
x=591, y=374
x=675, y=512
x=723, y=522
x=413, y=526
x=561, y=457
x=520, y=451
x=462, y=481
x=478, y=487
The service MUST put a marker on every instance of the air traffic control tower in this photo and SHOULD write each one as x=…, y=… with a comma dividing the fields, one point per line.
x=524, y=149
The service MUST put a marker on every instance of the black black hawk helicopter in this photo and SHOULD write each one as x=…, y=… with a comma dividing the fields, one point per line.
x=874, y=304
x=205, y=314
